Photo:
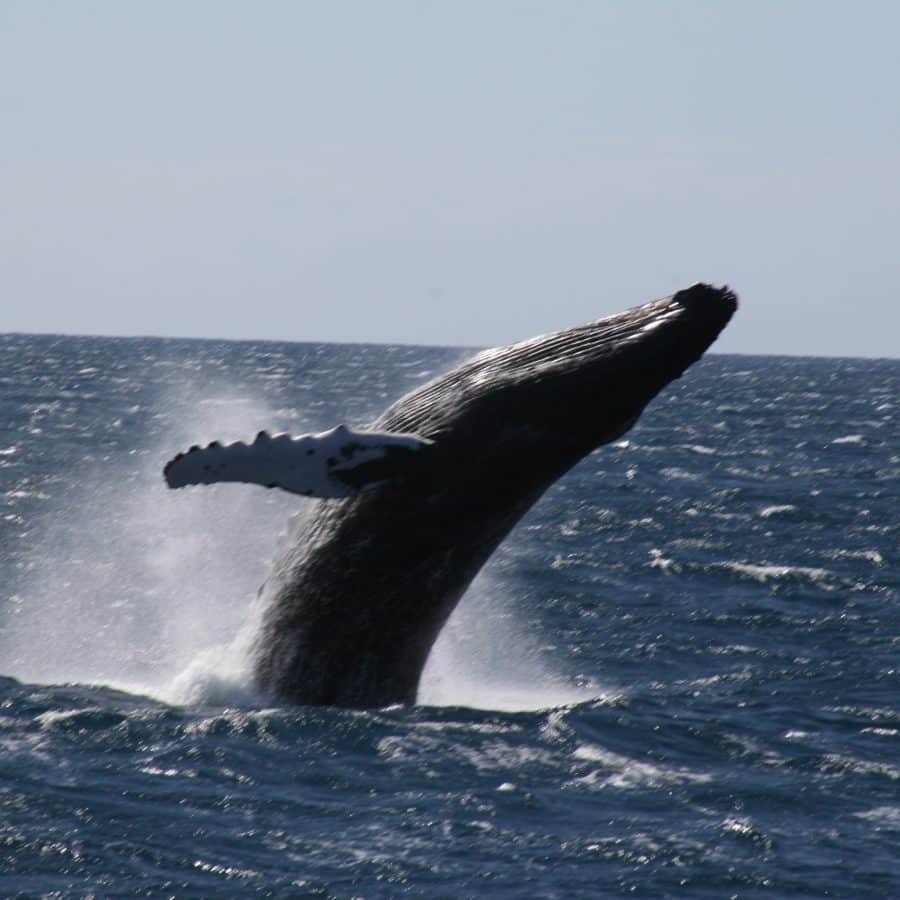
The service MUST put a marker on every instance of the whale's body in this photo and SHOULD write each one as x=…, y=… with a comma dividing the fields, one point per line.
x=353, y=608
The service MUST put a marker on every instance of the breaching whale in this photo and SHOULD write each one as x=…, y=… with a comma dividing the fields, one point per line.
x=353, y=608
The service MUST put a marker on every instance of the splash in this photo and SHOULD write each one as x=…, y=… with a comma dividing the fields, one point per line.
x=140, y=588
x=486, y=659
x=154, y=592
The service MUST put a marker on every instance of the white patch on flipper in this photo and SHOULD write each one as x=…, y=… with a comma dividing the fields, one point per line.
x=310, y=465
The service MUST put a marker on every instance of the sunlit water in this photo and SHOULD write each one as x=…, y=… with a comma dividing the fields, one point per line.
x=678, y=677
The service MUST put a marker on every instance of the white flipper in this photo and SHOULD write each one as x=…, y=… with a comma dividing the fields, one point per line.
x=333, y=464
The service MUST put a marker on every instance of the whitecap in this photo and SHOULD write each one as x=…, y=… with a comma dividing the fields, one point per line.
x=763, y=573
x=663, y=563
x=768, y=511
x=157, y=772
x=744, y=828
x=626, y=774
x=835, y=763
x=52, y=717
x=682, y=474
x=872, y=556
x=883, y=816
x=490, y=756
x=228, y=872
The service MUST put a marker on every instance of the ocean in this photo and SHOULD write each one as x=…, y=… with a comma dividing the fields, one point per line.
x=678, y=677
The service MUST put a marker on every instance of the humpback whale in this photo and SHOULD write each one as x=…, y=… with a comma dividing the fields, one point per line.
x=352, y=609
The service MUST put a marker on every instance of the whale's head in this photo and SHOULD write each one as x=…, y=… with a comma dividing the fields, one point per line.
x=523, y=414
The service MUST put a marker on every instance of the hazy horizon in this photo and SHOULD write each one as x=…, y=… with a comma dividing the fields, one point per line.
x=475, y=348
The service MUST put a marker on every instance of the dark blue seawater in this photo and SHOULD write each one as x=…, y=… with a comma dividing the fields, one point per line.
x=678, y=677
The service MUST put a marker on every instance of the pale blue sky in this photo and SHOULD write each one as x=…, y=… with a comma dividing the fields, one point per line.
x=450, y=173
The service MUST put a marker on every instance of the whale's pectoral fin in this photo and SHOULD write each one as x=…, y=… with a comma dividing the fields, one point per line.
x=333, y=464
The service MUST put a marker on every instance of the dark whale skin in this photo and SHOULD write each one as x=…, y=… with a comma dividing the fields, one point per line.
x=352, y=610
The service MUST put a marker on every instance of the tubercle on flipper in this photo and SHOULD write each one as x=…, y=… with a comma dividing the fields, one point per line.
x=194, y=448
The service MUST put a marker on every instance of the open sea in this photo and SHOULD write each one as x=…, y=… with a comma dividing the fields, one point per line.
x=679, y=676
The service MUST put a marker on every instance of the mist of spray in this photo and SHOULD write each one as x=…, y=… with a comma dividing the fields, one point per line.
x=487, y=658
x=149, y=590
x=132, y=585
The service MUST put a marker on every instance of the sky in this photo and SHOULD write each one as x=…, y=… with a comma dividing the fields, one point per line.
x=458, y=173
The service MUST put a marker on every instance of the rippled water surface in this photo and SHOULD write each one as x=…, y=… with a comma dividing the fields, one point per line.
x=678, y=677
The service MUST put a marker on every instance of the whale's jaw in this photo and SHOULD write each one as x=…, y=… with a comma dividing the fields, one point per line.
x=353, y=609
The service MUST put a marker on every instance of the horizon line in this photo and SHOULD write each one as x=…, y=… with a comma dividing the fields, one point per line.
x=345, y=343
